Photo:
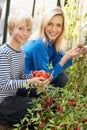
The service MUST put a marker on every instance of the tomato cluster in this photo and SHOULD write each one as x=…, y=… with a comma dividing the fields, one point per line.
x=43, y=73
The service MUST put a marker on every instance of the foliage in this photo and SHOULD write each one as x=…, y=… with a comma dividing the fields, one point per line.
x=63, y=109
x=72, y=21
x=58, y=109
x=77, y=74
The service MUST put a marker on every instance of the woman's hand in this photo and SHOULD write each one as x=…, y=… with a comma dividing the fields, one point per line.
x=74, y=52
x=40, y=81
x=85, y=49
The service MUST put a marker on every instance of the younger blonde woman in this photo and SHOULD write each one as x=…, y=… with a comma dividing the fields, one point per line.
x=44, y=48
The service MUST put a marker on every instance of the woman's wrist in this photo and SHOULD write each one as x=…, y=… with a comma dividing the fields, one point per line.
x=63, y=60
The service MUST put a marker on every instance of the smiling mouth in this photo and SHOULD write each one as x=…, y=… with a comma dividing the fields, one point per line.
x=53, y=35
x=23, y=38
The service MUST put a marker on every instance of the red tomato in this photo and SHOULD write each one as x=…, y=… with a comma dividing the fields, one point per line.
x=35, y=72
x=48, y=75
x=80, y=46
x=43, y=74
x=54, y=128
x=76, y=128
x=85, y=120
x=44, y=121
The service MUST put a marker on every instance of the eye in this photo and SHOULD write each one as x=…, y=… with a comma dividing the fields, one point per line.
x=59, y=25
x=29, y=29
x=49, y=24
x=20, y=28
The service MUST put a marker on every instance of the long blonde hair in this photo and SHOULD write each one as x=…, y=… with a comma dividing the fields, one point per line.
x=48, y=14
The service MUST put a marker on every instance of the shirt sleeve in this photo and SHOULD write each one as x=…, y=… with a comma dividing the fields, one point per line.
x=6, y=80
x=58, y=56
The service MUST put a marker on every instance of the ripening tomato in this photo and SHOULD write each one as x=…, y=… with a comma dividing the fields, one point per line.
x=50, y=102
x=80, y=46
x=59, y=108
x=47, y=97
x=62, y=126
x=35, y=72
x=44, y=121
x=53, y=128
x=43, y=104
x=38, y=74
x=85, y=120
x=76, y=128
x=85, y=105
x=43, y=74
x=48, y=75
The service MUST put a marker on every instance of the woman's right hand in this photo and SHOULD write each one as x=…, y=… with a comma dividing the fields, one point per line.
x=85, y=49
x=74, y=52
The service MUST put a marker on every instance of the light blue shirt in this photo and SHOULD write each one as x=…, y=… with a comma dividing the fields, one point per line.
x=39, y=55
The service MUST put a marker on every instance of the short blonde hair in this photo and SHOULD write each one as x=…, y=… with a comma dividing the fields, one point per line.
x=16, y=17
x=46, y=17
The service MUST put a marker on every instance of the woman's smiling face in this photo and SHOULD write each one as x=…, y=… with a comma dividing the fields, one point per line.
x=54, y=28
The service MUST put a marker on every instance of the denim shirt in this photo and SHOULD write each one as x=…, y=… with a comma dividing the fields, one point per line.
x=39, y=55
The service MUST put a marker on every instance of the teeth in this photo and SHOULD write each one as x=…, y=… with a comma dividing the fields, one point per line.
x=52, y=34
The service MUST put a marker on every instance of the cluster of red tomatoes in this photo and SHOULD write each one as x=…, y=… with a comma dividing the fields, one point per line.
x=42, y=73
